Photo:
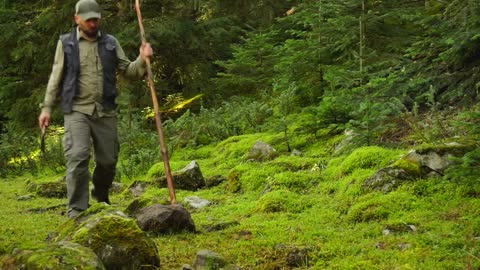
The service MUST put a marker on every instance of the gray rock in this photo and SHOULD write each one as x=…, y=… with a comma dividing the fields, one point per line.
x=208, y=260
x=215, y=180
x=196, y=202
x=386, y=179
x=25, y=197
x=137, y=188
x=188, y=178
x=346, y=144
x=296, y=153
x=262, y=151
x=116, y=188
x=165, y=219
x=430, y=161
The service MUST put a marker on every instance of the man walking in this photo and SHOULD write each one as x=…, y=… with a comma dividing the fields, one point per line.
x=83, y=78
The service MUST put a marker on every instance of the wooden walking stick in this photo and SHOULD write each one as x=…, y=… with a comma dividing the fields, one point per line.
x=156, y=110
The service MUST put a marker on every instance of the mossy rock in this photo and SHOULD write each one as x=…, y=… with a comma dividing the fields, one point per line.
x=117, y=241
x=233, y=181
x=453, y=148
x=261, y=151
x=410, y=166
x=56, y=189
x=62, y=255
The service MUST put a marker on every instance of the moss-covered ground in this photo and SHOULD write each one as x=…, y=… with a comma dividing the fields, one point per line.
x=313, y=202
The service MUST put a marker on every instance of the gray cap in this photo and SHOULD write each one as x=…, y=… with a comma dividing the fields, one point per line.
x=88, y=9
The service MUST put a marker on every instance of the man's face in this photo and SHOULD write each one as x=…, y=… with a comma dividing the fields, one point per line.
x=89, y=27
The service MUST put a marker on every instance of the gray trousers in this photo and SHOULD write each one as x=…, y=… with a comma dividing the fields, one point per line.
x=81, y=132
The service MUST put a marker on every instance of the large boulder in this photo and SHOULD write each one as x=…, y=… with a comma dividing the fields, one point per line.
x=165, y=219
x=61, y=255
x=116, y=239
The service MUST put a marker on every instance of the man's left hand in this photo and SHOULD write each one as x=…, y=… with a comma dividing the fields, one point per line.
x=146, y=51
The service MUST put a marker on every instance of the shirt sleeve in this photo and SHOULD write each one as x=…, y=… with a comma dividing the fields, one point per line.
x=131, y=70
x=53, y=86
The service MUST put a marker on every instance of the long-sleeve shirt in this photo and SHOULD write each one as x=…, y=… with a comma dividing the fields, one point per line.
x=90, y=79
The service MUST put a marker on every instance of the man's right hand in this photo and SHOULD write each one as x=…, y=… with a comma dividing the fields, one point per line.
x=44, y=119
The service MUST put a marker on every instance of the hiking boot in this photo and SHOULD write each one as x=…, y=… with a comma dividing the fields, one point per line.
x=100, y=196
x=73, y=213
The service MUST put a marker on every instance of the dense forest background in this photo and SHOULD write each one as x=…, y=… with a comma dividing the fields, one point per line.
x=394, y=73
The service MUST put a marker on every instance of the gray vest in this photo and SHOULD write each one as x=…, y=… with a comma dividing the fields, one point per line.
x=108, y=57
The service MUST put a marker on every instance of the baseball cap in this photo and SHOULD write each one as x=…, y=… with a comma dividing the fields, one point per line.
x=87, y=9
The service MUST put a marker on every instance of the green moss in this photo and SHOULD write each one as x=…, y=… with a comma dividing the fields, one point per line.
x=63, y=255
x=351, y=185
x=157, y=170
x=233, y=181
x=295, y=163
x=281, y=200
x=368, y=157
x=232, y=150
x=455, y=149
x=300, y=181
x=375, y=206
x=149, y=197
x=410, y=166
x=203, y=152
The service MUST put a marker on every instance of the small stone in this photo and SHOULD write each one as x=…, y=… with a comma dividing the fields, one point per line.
x=208, y=260
x=196, y=202
x=412, y=228
x=25, y=197
x=386, y=232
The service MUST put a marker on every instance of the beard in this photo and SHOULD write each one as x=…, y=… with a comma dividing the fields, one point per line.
x=91, y=33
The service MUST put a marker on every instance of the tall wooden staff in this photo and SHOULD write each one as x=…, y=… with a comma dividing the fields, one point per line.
x=156, y=110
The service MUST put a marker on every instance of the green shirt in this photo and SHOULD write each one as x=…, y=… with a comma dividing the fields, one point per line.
x=90, y=79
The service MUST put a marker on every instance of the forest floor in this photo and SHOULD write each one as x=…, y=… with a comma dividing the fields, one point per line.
x=293, y=212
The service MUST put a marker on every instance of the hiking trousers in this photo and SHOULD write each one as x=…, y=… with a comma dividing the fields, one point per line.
x=81, y=133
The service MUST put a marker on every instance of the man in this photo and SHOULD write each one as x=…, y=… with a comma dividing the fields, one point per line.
x=83, y=78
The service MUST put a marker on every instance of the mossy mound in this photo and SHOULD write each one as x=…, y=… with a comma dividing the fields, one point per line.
x=368, y=157
x=62, y=255
x=281, y=200
x=373, y=207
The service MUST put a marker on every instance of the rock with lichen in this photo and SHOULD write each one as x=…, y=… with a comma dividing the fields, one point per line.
x=262, y=151
x=116, y=239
